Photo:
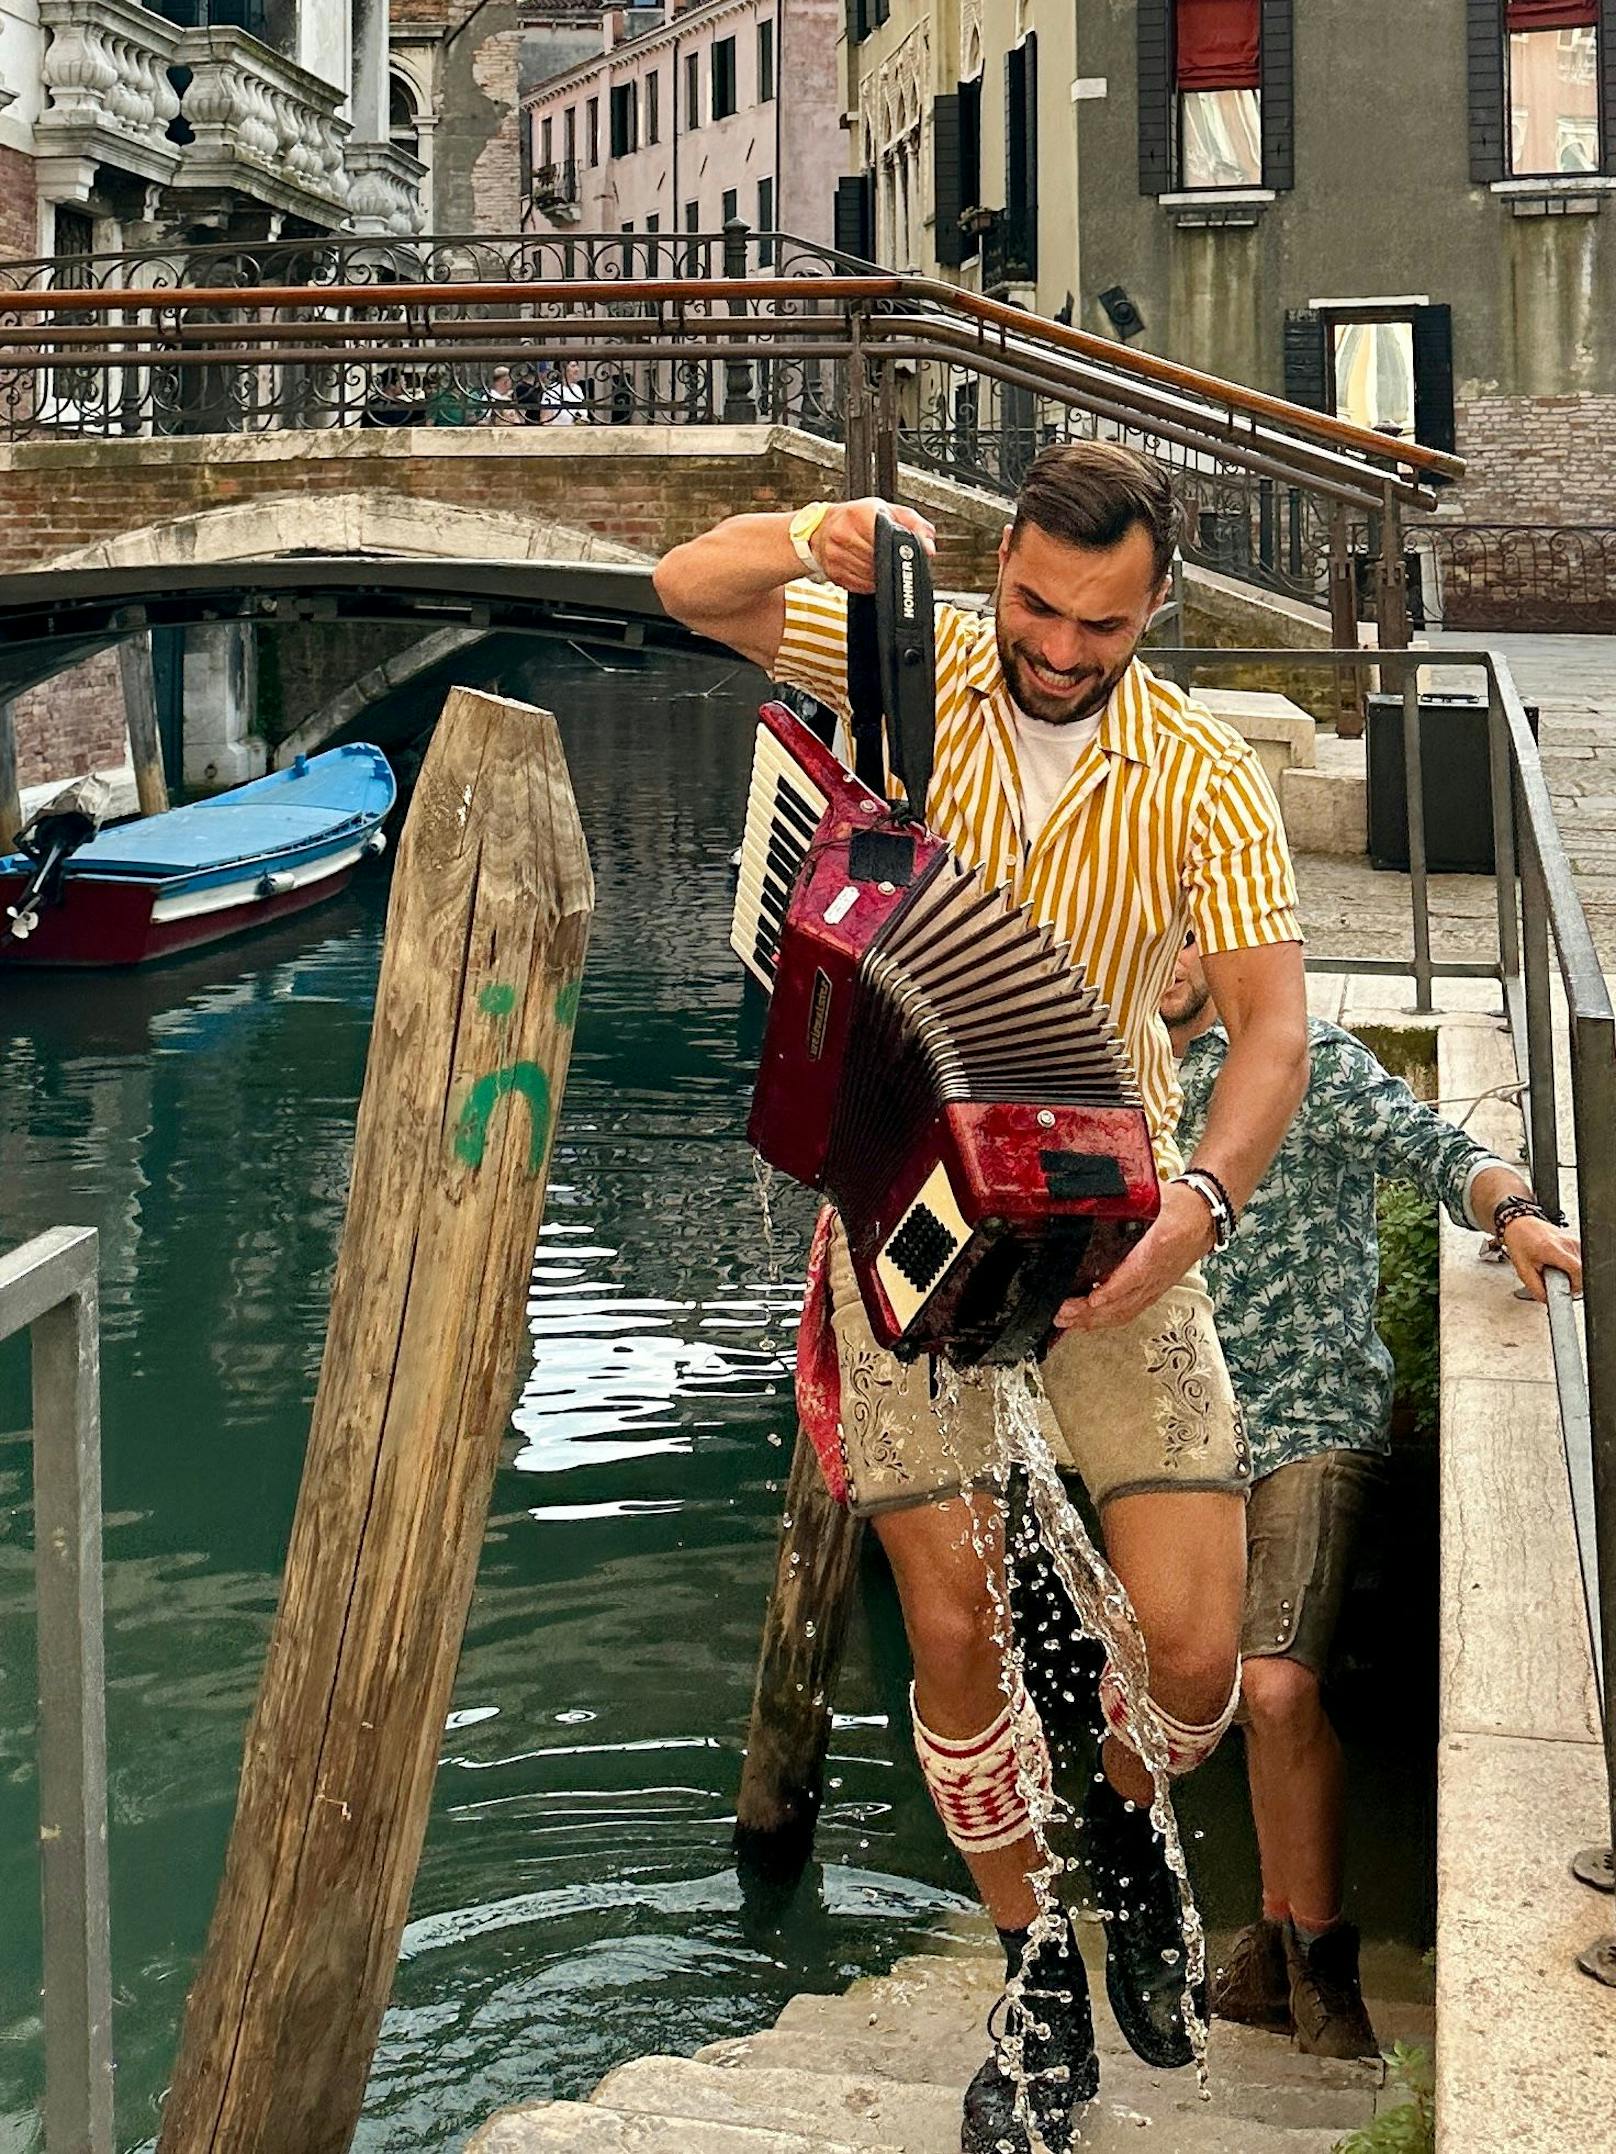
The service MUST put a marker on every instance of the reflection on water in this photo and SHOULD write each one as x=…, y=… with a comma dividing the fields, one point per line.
x=576, y=1903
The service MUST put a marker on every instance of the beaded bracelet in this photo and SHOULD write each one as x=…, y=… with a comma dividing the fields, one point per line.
x=1508, y=1209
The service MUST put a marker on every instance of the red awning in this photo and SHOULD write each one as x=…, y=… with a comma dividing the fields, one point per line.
x=1552, y=14
x=1219, y=44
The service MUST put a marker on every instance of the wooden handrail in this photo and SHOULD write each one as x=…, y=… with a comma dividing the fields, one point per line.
x=869, y=291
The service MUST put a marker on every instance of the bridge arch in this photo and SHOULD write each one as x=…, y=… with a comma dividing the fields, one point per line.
x=366, y=520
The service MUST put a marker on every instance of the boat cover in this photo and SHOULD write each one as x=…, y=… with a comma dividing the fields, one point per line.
x=320, y=798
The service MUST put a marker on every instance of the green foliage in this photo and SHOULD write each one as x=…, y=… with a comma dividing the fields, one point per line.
x=1406, y=1313
x=1410, y=2128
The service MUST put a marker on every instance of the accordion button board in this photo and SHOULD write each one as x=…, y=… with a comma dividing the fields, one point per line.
x=934, y=1061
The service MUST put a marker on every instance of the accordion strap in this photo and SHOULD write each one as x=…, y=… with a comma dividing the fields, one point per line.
x=892, y=667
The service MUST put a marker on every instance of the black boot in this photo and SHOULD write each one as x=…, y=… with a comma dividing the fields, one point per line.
x=1144, y=1936
x=1058, y=2066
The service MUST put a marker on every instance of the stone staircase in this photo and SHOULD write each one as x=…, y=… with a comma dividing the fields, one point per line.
x=881, y=2069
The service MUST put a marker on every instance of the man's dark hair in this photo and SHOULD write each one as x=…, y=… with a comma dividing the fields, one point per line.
x=1092, y=493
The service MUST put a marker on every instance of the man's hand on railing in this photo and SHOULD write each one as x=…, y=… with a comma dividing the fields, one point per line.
x=1536, y=1246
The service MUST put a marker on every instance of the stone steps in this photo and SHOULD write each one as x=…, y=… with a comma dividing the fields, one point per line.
x=880, y=2070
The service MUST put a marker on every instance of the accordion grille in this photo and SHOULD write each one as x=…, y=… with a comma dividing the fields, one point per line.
x=966, y=998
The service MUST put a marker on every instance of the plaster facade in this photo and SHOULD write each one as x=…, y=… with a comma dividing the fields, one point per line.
x=684, y=125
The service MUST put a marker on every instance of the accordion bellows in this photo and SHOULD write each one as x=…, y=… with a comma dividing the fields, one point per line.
x=934, y=1062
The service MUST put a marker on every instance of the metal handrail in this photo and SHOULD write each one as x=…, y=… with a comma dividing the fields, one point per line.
x=48, y=1288
x=874, y=288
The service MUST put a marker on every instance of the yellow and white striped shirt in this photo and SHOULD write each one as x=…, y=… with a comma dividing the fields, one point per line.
x=1166, y=823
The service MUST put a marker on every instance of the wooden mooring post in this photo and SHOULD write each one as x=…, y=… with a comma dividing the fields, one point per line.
x=804, y=1631
x=490, y=914
x=140, y=719
x=10, y=797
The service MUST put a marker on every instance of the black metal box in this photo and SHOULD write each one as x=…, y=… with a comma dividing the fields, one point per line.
x=1455, y=776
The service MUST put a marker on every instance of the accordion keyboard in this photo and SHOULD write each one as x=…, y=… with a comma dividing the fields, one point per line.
x=783, y=810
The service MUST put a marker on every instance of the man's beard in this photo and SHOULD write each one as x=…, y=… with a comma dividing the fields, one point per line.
x=1198, y=998
x=1091, y=689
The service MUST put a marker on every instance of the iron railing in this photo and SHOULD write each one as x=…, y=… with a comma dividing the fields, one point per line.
x=1536, y=905
x=1470, y=576
x=683, y=328
x=48, y=1288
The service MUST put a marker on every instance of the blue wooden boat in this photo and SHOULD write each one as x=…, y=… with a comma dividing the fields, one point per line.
x=176, y=881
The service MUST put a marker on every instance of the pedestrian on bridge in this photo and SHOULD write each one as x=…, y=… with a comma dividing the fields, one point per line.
x=1121, y=813
x=1294, y=1293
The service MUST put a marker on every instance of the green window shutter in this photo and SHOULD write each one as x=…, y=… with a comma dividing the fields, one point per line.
x=1157, y=104
x=1279, y=93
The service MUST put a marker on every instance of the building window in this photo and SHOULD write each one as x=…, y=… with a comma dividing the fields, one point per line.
x=765, y=59
x=765, y=218
x=653, y=106
x=569, y=131
x=1217, y=60
x=1553, y=86
x=723, y=77
x=625, y=119
x=403, y=119
x=593, y=129
x=692, y=90
x=653, y=222
x=1388, y=367
x=692, y=216
x=547, y=141
x=730, y=207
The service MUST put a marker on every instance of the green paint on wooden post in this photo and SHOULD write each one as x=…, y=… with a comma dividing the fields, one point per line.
x=566, y=1003
x=497, y=999
x=471, y=1131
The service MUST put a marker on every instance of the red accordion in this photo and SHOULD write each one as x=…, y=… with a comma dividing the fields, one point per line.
x=934, y=1062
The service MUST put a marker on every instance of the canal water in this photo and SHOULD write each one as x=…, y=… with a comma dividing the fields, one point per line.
x=577, y=1903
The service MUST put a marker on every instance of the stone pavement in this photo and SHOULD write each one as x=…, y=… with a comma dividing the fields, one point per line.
x=1351, y=909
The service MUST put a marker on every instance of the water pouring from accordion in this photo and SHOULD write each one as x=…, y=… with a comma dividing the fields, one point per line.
x=1102, y=1615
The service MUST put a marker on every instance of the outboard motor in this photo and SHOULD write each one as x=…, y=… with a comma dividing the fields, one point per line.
x=49, y=839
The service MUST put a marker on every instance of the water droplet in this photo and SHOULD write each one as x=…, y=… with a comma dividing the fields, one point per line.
x=808, y=1630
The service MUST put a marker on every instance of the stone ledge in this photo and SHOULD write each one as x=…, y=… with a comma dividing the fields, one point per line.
x=1326, y=806
x=1526, y=2043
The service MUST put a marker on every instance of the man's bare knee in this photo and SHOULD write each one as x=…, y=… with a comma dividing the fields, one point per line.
x=1281, y=1696
x=1191, y=1675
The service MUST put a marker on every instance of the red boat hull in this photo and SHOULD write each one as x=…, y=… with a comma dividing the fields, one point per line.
x=110, y=920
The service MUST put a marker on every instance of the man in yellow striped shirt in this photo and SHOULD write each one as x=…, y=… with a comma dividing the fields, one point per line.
x=1126, y=817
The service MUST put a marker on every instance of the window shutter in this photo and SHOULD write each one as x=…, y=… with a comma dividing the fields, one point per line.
x=854, y=216
x=1433, y=377
x=970, y=158
x=946, y=175
x=1306, y=366
x=1484, y=61
x=1279, y=93
x=858, y=21
x=1607, y=86
x=1154, y=32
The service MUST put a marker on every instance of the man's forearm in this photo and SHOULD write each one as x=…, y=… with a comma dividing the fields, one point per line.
x=1258, y=1089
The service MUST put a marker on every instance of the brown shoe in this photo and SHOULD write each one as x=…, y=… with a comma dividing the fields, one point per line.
x=1253, y=1985
x=1327, y=2004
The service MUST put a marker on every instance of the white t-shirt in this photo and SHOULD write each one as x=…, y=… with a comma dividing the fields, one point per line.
x=1047, y=755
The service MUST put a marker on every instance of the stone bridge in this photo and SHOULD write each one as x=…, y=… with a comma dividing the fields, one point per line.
x=241, y=692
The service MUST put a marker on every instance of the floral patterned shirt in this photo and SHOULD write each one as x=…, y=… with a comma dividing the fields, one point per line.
x=1295, y=1289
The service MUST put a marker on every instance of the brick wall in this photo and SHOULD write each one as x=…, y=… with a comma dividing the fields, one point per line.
x=496, y=179
x=644, y=487
x=1536, y=460
x=72, y=724
x=19, y=207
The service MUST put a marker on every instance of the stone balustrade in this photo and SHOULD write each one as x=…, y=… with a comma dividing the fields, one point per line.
x=245, y=121
x=384, y=190
x=262, y=126
x=109, y=97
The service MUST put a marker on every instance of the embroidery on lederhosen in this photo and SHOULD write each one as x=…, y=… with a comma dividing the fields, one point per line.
x=1176, y=1357
x=869, y=1444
